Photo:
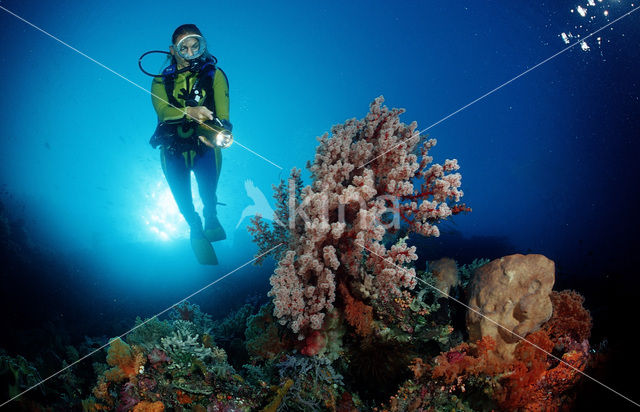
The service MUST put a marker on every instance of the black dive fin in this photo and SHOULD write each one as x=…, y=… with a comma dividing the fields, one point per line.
x=204, y=251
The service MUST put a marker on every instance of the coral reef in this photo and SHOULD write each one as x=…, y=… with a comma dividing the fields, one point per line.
x=233, y=325
x=352, y=324
x=187, y=311
x=371, y=177
x=147, y=334
x=316, y=384
x=541, y=374
x=182, y=368
x=184, y=349
x=570, y=320
x=264, y=338
x=16, y=375
x=125, y=360
x=466, y=271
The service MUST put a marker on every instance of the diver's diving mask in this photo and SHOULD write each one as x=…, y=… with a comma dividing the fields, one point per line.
x=191, y=47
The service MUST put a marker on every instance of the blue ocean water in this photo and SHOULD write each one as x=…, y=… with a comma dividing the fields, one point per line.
x=549, y=159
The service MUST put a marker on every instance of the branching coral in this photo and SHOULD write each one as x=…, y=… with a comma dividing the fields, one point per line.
x=184, y=369
x=147, y=334
x=466, y=271
x=184, y=348
x=187, y=311
x=288, y=195
x=570, y=319
x=370, y=178
x=315, y=383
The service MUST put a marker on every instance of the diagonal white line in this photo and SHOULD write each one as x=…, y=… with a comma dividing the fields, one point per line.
x=137, y=326
x=503, y=327
x=120, y=76
x=264, y=158
x=503, y=84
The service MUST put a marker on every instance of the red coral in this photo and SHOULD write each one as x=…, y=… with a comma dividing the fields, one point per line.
x=418, y=367
x=453, y=357
x=186, y=311
x=533, y=381
x=467, y=359
x=536, y=386
x=156, y=357
x=357, y=314
x=570, y=319
x=314, y=343
x=183, y=397
x=526, y=370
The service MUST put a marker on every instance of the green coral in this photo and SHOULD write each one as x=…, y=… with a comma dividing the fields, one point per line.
x=412, y=317
x=264, y=336
x=185, y=327
x=466, y=271
x=188, y=353
x=17, y=375
x=425, y=291
x=187, y=311
x=233, y=325
x=316, y=384
x=149, y=334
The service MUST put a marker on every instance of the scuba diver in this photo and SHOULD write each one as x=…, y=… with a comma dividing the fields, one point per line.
x=191, y=99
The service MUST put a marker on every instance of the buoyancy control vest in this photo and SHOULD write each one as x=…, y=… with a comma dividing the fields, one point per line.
x=179, y=135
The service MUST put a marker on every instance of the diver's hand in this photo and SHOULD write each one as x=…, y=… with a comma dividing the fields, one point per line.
x=206, y=142
x=199, y=113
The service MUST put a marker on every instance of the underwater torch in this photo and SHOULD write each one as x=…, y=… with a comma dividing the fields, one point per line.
x=215, y=133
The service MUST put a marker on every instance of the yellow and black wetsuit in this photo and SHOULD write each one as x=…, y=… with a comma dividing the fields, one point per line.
x=185, y=153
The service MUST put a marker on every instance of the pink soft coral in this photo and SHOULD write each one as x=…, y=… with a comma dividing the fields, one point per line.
x=368, y=177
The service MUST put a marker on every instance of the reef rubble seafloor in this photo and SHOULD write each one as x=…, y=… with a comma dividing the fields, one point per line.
x=351, y=324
